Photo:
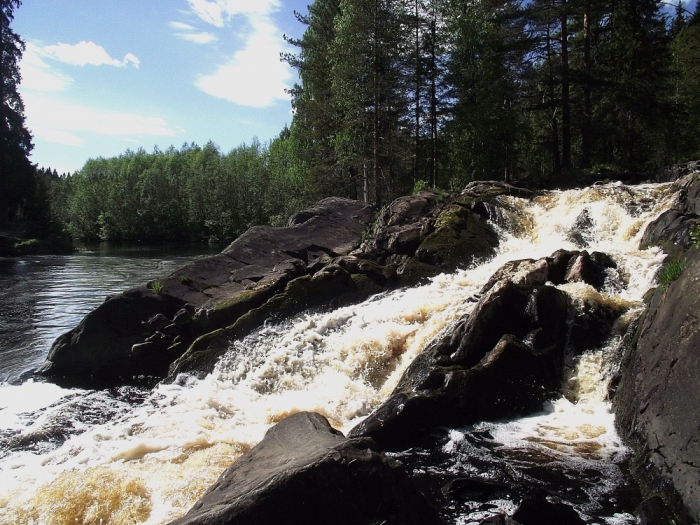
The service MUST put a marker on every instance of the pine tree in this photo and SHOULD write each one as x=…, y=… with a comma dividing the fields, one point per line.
x=16, y=171
x=483, y=66
x=634, y=111
x=314, y=115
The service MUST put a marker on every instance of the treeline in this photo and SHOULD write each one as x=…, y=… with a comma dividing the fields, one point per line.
x=393, y=92
x=188, y=193
x=399, y=94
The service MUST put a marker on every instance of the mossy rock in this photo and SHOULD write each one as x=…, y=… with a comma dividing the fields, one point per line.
x=229, y=311
x=460, y=237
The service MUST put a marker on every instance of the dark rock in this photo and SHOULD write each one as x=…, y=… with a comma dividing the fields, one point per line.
x=504, y=359
x=584, y=268
x=653, y=511
x=304, y=472
x=535, y=509
x=461, y=237
x=222, y=288
x=499, y=519
x=657, y=404
x=182, y=317
x=559, y=268
x=172, y=330
x=99, y=350
x=671, y=226
x=581, y=229
x=157, y=322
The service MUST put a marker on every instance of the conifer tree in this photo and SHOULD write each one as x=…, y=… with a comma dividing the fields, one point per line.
x=16, y=171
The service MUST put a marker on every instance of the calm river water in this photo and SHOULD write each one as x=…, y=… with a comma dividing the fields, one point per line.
x=42, y=297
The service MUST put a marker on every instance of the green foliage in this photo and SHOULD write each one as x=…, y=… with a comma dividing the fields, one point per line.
x=16, y=170
x=419, y=186
x=671, y=271
x=695, y=234
x=28, y=243
x=191, y=193
x=395, y=97
x=156, y=286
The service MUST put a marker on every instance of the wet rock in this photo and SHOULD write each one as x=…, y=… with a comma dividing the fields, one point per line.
x=305, y=472
x=672, y=226
x=581, y=229
x=222, y=288
x=653, y=511
x=559, y=268
x=182, y=317
x=461, y=236
x=657, y=403
x=504, y=359
x=535, y=509
x=99, y=350
x=499, y=519
x=589, y=269
x=157, y=322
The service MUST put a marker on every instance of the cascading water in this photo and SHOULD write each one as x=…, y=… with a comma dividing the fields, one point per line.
x=131, y=456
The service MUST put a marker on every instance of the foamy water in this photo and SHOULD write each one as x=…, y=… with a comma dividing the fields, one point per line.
x=148, y=461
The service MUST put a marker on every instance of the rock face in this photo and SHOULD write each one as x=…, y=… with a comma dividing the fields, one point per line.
x=657, y=403
x=109, y=343
x=142, y=331
x=327, y=255
x=304, y=472
x=505, y=358
x=658, y=399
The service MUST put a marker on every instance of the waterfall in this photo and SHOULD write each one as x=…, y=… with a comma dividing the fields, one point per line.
x=132, y=456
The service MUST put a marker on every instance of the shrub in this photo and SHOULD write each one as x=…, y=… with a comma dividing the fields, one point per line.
x=670, y=271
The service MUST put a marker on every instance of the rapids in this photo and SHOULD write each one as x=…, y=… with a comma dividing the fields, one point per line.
x=132, y=456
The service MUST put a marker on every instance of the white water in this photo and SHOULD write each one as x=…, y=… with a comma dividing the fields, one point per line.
x=149, y=462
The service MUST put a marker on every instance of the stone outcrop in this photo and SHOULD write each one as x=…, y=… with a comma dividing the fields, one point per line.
x=303, y=473
x=657, y=399
x=142, y=331
x=330, y=254
x=505, y=358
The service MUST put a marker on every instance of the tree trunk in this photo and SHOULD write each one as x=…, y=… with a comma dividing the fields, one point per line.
x=433, y=108
x=416, y=169
x=587, y=105
x=565, y=89
x=556, y=158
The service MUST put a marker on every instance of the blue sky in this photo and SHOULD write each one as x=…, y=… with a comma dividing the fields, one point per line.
x=102, y=76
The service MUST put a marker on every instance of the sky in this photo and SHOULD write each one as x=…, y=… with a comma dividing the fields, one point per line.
x=103, y=76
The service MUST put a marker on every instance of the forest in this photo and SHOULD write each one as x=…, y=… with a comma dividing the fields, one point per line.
x=394, y=96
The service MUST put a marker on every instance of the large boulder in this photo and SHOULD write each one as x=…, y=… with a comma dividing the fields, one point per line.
x=142, y=331
x=504, y=359
x=104, y=349
x=657, y=403
x=303, y=473
x=429, y=233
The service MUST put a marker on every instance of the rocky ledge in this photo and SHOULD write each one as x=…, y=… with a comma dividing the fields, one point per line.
x=336, y=252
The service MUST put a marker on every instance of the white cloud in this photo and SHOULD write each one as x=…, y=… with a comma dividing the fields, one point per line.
x=131, y=59
x=181, y=27
x=60, y=122
x=37, y=74
x=87, y=53
x=197, y=38
x=217, y=12
x=210, y=12
x=254, y=76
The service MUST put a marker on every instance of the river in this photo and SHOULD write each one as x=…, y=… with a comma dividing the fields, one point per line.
x=43, y=296
x=127, y=455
